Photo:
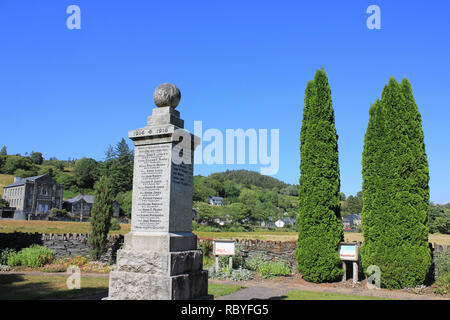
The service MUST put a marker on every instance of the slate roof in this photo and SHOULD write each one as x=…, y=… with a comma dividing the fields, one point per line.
x=216, y=198
x=87, y=198
x=21, y=182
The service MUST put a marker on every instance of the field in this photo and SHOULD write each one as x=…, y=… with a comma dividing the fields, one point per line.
x=8, y=226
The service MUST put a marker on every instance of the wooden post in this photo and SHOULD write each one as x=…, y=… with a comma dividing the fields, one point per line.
x=217, y=263
x=344, y=276
x=355, y=272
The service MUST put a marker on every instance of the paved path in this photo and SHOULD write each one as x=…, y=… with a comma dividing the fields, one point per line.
x=271, y=289
x=256, y=293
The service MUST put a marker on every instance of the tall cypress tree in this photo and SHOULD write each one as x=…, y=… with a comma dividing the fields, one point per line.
x=319, y=221
x=395, y=190
x=100, y=218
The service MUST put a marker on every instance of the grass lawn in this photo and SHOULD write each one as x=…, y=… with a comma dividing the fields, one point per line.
x=312, y=295
x=218, y=290
x=60, y=227
x=34, y=287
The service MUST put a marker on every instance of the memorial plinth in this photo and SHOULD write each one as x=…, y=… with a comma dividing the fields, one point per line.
x=160, y=259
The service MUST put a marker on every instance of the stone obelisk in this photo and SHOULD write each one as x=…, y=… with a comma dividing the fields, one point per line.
x=160, y=259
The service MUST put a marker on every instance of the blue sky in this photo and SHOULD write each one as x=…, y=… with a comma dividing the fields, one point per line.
x=239, y=64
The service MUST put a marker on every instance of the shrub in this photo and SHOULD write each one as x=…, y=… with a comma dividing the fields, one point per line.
x=270, y=269
x=207, y=248
x=254, y=262
x=444, y=284
x=239, y=274
x=238, y=260
x=115, y=225
x=319, y=221
x=34, y=256
x=4, y=254
x=395, y=190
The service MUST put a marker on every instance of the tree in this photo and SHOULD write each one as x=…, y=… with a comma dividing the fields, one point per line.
x=319, y=220
x=119, y=167
x=4, y=151
x=12, y=163
x=395, y=190
x=125, y=201
x=86, y=172
x=3, y=203
x=36, y=157
x=101, y=214
x=439, y=220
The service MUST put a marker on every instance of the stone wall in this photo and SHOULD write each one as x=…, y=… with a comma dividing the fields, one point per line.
x=65, y=245
x=273, y=250
x=72, y=244
x=285, y=251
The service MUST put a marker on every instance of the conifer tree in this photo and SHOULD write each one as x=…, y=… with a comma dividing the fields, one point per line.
x=319, y=221
x=395, y=190
x=100, y=218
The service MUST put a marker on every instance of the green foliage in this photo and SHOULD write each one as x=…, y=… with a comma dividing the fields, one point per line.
x=34, y=256
x=115, y=225
x=3, y=203
x=443, y=283
x=125, y=201
x=395, y=190
x=3, y=151
x=266, y=268
x=49, y=170
x=4, y=255
x=352, y=205
x=14, y=163
x=439, y=219
x=319, y=221
x=36, y=157
x=86, y=172
x=58, y=213
x=68, y=180
x=100, y=218
x=207, y=248
x=254, y=262
x=442, y=262
x=118, y=167
x=239, y=274
x=271, y=269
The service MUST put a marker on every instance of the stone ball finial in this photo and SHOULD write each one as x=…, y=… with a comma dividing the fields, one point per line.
x=167, y=95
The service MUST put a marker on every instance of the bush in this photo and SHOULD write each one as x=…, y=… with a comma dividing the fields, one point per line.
x=254, y=262
x=238, y=260
x=266, y=268
x=207, y=248
x=270, y=269
x=444, y=284
x=4, y=254
x=239, y=274
x=34, y=256
x=115, y=225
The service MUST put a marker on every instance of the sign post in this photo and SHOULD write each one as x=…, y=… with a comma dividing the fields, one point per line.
x=223, y=247
x=349, y=252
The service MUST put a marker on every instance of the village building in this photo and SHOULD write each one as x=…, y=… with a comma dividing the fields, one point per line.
x=33, y=195
x=81, y=206
x=215, y=201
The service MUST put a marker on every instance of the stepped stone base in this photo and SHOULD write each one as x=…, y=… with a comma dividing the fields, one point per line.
x=158, y=275
x=145, y=286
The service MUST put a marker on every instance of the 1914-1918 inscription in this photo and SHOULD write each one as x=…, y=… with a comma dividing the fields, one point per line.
x=151, y=187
